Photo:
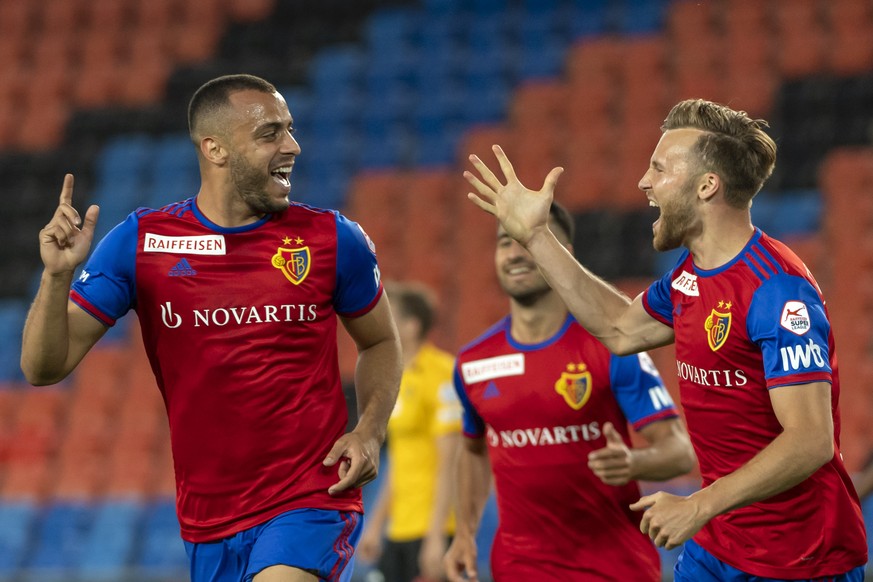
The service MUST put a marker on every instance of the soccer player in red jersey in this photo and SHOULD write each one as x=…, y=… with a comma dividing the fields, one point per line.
x=238, y=292
x=551, y=406
x=754, y=352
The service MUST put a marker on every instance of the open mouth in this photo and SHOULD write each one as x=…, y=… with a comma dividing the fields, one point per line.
x=282, y=175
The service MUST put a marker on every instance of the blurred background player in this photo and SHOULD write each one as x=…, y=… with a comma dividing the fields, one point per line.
x=549, y=406
x=238, y=292
x=754, y=352
x=413, y=511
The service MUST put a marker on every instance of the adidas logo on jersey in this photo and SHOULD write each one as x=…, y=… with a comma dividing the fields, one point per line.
x=182, y=269
x=491, y=391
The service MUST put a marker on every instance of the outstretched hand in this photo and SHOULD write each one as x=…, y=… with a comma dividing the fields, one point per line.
x=65, y=241
x=521, y=211
x=357, y=459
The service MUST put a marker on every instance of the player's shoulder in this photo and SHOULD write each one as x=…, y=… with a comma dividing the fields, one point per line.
x=782, y=255
x=485, y=341
x=179, y=209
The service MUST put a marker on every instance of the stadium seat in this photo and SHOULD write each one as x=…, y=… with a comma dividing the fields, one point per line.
x=16, y=524
x=109, y=542
x=161, y=552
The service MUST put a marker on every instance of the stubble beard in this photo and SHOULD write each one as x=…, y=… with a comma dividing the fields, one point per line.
x=678, y=219
x=251, y=186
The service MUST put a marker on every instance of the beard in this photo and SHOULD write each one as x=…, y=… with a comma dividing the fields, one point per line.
x=526, y=295
x=678, y=220
x=251, y=184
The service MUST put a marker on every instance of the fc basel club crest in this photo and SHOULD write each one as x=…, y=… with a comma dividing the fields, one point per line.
x=575, y=387
x=718, y=325
x=294, y=263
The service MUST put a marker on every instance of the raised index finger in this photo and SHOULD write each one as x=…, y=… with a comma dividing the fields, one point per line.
x=67, y=190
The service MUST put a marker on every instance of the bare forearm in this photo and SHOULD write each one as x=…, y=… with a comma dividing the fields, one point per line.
x=45, y=339
x=443, y=490
x=377, y=380
x=785, y=462
x=474, y=486
x=669, y=456
x=596, y=304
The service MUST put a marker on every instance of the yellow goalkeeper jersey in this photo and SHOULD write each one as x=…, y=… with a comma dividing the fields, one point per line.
x=427, y=408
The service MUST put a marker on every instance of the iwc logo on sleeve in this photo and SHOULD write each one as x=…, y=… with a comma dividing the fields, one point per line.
x=718, y=325
x=795, y=317
x=293, y=262
x=575, y=385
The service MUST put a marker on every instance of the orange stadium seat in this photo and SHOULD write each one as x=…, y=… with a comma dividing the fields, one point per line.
x=154, y=16
x=850, y=47
x=25, y=480
x=800, y=38
x=16, y=18
x=195, y=42
x=249, y=10
x=58, y=17
x=106, y=16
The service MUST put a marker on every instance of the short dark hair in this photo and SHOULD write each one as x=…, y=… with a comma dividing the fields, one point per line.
x=214, y=95
x=414, y=300
x=734, y=146
x=564, y=220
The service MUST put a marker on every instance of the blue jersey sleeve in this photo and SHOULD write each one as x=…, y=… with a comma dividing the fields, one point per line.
x=657, y=298
x=471, y=423
x=639, y=390
x=359, y=283
x=787, y=320
x=106, y=286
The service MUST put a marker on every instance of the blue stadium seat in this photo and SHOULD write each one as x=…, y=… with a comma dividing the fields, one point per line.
x=124, y=158
x=16, y=525
x=641, y=17
x=12, y=314
x=589, y=18
x=161, y=550
x=336, y=70
x=108, y=546
x=60, y=540
x=391, y=30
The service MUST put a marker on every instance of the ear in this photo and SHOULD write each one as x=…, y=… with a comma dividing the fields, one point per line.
x=213, y=151
x=709, y=185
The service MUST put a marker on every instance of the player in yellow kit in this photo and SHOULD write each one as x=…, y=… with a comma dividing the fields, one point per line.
x=423, y=438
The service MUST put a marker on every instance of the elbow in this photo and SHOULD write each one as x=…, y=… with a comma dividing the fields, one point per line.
x=687, y=461
x=821, y=453
x=37, y=377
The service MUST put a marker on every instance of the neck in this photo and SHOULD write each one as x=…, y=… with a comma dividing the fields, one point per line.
x=532, y=324
x=723, y=236
x=221, y=204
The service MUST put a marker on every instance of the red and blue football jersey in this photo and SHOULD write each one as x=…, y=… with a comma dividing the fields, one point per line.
x=541, y=409
x=240, y=328
x=757, y=323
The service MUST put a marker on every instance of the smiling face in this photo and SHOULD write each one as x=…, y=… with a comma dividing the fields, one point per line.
x=262, y=150
x=517, y=272
x=670, y=185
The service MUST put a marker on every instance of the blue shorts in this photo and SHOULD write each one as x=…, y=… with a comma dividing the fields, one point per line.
x=318, y=541
x=697, y=565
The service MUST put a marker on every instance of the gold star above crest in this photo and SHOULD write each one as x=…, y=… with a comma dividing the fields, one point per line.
x=571, y=368
x=721, y=304
x=286, y=241
x=728, y=304
x=298, y=241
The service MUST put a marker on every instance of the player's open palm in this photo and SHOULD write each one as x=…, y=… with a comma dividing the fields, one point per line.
x=520, y=210
x=65, y=241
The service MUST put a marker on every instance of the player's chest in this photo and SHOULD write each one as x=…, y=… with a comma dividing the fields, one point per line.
x=534, y=388
x=288, y=263
x=710, y=322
